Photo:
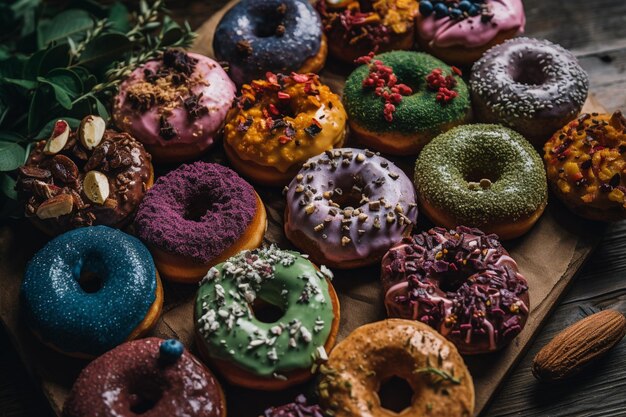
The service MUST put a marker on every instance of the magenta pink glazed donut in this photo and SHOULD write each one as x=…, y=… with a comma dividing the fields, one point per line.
x=347, y=207
x=462, y=283
x=175, y=105
x=460, y=33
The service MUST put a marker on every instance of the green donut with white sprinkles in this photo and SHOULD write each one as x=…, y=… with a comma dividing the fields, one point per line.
x=236, y=334
x=398, y=101
x=483, y=176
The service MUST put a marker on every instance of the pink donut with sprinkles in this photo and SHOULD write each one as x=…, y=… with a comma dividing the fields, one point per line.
x=175, y=105
x=461, y=282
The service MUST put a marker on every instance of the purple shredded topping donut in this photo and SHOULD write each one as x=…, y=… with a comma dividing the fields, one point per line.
x=461, y=282
x=196, y=211
x=298, y=408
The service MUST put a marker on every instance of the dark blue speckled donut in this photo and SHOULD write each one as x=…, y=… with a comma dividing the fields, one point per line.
x=256, y=36
x=74, y=321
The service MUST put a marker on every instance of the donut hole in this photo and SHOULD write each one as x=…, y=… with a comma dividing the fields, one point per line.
x=144, y=395
x=451, y=281
x=395, y=394
x=528, y=71
x=350, y=194
x=266, y=312
x=268, y=24
x=478, y=175
x=198, y=207
x=90, y=281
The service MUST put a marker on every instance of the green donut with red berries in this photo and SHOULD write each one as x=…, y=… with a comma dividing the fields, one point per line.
x=398, y=101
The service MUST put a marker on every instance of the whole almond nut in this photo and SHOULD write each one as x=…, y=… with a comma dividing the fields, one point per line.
x=34, y=172
x=58, y=139
x=56, y=206
x=578, y=345
x=96, y=187
x=91, y=131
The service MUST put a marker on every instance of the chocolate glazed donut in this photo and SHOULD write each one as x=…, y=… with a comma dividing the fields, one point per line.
x=530, y=85
x=461, y=282
x=257, y=36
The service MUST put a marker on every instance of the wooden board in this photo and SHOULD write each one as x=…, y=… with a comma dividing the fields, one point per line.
x=549, y=256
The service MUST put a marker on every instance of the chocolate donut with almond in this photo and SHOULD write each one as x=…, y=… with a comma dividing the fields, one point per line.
x=94, y=176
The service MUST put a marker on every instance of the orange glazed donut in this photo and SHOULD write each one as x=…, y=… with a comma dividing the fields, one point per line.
x=357, y=367
x=586, y=166
x=279, y=123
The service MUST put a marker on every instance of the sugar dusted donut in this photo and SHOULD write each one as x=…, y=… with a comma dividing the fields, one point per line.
x=256, y=36
x=459, y=32
x=175, y=105
x=462, y=283
x=371, y=354
x=279, y=123
x=90, y=289
x=347, y=207
x=69, y=182
x=199, y=215
x=586, y=165
x=253, y=353
x=149, y=377
x=530, y=85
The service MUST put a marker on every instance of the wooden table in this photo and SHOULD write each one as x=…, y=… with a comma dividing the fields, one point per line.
x=596, y=32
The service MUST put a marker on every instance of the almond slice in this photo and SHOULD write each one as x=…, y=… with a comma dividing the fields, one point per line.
x=96, y=187
x=58, y=139
x=91, y=131
x=54, y=207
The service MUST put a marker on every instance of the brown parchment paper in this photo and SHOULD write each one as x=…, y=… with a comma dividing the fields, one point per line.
x=548, y=256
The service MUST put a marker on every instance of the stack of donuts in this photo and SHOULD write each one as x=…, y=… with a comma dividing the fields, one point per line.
x=444, y=85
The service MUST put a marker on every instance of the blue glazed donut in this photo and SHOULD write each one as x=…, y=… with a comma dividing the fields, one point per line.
x=256, y=36
x=80, y=321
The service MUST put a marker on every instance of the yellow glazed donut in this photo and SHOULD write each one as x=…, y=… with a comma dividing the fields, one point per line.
x=279, y=123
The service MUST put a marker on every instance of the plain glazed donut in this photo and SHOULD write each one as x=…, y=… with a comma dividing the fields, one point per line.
x=148, y=377
x=530, y=85
x=198, y=216
x=460, y=32
x=256, y=36
x=65, y=308
x=175, y=105
x=255, y=354
x=371, y=354
x=347, y=207
x=279, y=123
x=484, y=176
x=462, y=283
x=586, y=164
x=78, y=185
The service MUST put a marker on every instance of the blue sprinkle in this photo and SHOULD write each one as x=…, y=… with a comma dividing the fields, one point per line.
x=465, y=5
x=441, y=10
x=474, y=10
x=426, y=8
x=170, y=350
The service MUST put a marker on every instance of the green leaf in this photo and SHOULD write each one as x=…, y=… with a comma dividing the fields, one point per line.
x=60, y=93
x=104, y=50
x=27, y=84
x=72, y=23
x=55, y=57
x=119, y=17
x=101, y=108
x=31, y=68
x=8, y=136
x=11, y=156
x=87, y=78
x=171, y=32
x=39, y=108
x=7, y=186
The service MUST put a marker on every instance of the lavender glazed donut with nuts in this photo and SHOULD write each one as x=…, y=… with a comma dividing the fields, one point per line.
x=461, y=282
x=530, y=85
x=347, y=207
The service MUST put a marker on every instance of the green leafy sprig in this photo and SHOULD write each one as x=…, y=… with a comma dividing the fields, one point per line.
x=66, y=64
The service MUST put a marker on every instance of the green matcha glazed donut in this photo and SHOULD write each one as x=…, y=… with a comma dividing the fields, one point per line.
x=436, y=101
x=250, y=352
x=484, y=176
